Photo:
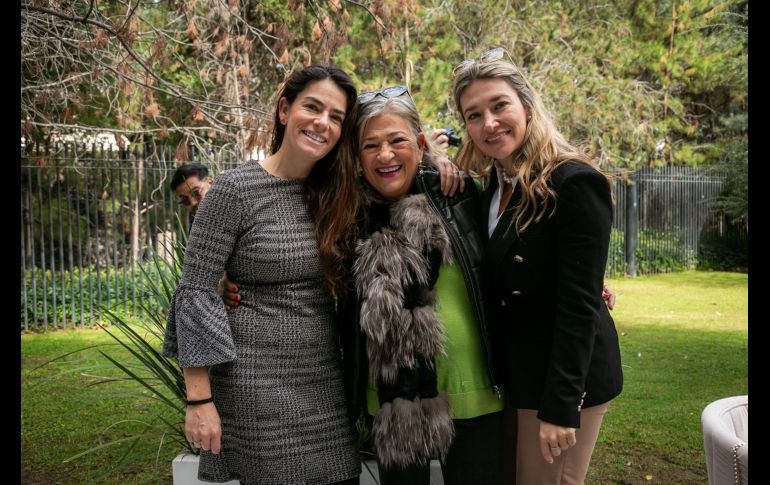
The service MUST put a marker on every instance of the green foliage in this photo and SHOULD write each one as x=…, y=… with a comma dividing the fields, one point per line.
x=616, y=255
x=731, y=159
x=615, y=77
x=696, y=53
x=723, y=252
x=663, y=252
x=641, y=82
x=656, y=252
x=89, y=288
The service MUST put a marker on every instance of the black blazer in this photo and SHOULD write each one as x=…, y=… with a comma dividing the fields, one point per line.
x=558, y=344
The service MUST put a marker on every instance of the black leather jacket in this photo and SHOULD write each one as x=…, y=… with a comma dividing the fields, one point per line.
x=460, y=215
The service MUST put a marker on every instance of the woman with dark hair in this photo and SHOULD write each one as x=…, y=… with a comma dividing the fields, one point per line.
x=264, y=380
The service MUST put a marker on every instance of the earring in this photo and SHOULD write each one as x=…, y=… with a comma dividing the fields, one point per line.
x=529, y=117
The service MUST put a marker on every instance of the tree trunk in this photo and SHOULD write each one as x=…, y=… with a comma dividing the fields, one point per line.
x=135, y=213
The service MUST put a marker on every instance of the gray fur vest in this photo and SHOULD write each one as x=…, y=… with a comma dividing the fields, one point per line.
x=394, y=273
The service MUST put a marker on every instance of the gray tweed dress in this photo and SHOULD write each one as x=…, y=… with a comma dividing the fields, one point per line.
x=274, y=362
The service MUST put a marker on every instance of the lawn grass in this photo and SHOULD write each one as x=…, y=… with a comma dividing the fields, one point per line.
x=66, y=409
x=683, y=339
x=684, y=344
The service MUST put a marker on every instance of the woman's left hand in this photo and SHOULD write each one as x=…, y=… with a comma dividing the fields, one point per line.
x=229, y=292
x=555, y=439
x=450, y=176
x=440, y=140
x=608, y=296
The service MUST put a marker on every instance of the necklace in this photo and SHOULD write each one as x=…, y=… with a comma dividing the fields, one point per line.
x=506, y=178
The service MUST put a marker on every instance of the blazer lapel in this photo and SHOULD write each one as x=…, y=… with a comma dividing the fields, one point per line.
x=504, y=236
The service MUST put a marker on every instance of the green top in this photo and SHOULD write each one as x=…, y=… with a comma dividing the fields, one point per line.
x=462, y=373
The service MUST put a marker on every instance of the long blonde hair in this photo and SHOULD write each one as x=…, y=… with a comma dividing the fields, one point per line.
x=543, y=150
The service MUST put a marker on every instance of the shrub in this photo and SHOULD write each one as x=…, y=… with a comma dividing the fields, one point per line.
x=656, y=252
x=723, y=252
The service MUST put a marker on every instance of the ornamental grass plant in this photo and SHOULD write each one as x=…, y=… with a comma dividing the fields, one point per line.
x=134, y=369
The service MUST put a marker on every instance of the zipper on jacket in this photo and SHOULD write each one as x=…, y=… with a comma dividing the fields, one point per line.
x=468, y=280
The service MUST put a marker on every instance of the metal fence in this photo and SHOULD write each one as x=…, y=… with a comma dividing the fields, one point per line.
x=92, y=219
x=661, y=216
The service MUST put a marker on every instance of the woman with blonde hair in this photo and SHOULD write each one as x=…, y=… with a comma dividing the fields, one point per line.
x=548, y=210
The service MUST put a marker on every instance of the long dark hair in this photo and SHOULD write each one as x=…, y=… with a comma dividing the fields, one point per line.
x=331, y=190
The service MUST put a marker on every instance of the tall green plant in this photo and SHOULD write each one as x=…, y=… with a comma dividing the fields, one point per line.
x=144, y=363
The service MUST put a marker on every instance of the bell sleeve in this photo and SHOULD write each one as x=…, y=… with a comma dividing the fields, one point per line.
x=198, y=330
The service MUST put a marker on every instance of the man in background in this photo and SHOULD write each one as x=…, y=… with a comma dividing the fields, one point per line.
x=191, y=181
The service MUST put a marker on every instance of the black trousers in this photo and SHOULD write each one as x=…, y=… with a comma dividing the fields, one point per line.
x=350, y=481
x=475, y=457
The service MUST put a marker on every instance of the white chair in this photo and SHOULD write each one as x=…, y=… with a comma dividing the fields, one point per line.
x=726, y=440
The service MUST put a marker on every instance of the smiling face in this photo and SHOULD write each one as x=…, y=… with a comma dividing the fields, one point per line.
x=495, y=117
x=390, y=154
x=314, y=120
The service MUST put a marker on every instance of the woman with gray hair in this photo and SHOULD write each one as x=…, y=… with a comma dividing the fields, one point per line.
x=414, y=329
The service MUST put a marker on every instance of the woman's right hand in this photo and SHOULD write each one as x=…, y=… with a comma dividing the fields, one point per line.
x=229, y=293
x=203, y=427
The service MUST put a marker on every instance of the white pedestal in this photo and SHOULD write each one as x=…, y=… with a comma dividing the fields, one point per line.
x=371, y=476
x=185, y=472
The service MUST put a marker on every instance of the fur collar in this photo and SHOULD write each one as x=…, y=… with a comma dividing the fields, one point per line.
x=387, y=262
x=402, y=339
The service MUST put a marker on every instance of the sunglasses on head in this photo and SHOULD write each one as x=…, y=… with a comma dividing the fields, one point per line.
x=488, y=56
x=387, y=93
